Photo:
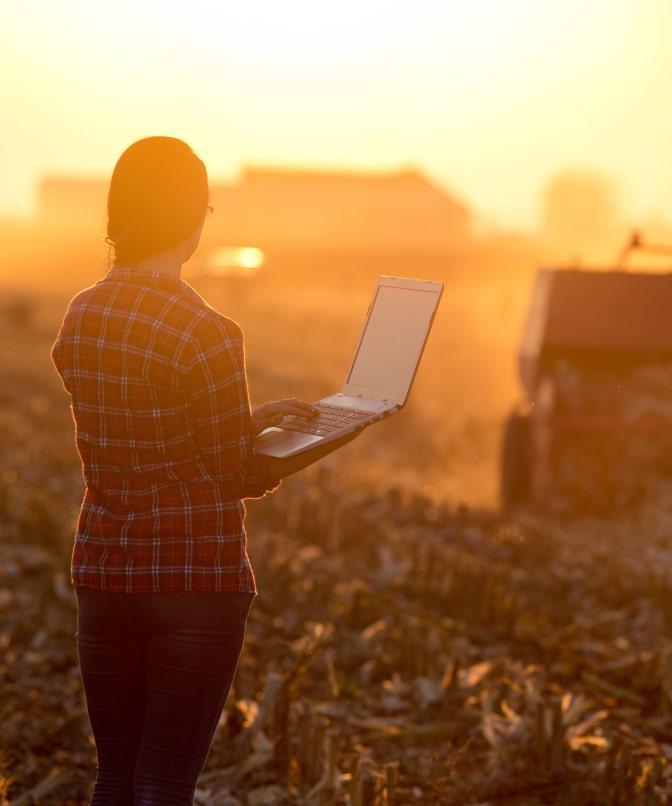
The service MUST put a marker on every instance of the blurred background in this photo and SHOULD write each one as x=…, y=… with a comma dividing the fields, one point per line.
x=464, y=142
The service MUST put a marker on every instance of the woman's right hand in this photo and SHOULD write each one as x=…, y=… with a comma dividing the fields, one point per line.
x=275, y=411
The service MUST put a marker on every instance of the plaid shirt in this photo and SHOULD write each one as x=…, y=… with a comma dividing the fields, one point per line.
x=164, y=430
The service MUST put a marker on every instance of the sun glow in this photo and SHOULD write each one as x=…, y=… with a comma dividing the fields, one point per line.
x=490, y=96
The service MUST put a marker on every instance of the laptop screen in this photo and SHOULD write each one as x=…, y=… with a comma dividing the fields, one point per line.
x=392, y=341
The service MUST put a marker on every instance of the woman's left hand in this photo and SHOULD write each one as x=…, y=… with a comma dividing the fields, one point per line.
x=274, y=412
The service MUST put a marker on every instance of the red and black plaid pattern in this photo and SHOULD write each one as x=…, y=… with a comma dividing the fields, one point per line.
x=163, y=427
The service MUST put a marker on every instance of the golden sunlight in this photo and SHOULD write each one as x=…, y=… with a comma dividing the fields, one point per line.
x=492, y=98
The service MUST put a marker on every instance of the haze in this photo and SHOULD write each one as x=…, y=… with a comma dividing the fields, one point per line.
x=491, y=98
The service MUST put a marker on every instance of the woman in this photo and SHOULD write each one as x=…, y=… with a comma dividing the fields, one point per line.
x=165, y=433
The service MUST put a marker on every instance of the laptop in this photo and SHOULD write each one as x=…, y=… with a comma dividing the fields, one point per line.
x=381, y=371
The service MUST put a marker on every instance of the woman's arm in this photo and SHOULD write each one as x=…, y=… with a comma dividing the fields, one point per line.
x=280, y=468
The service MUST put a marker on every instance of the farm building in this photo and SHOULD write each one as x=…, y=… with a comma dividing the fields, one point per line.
x=298, y=208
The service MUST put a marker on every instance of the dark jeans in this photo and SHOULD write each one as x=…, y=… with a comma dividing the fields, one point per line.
x=157, y=668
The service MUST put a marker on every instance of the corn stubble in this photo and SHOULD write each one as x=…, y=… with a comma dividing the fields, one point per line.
x=402, y=651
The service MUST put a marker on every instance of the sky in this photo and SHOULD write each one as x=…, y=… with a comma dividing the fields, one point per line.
x=490, y=98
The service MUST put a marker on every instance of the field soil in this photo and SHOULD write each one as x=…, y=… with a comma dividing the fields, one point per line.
x=411, y=643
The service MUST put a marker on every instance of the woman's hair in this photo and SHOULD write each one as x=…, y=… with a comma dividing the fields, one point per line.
x=158, y=197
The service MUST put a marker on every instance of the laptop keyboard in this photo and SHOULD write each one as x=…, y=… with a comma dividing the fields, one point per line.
x=329, y=420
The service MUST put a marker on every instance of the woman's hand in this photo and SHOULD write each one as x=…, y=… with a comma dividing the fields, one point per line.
x=274, y=412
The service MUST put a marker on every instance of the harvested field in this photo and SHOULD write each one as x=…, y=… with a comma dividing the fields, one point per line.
x=410, y=644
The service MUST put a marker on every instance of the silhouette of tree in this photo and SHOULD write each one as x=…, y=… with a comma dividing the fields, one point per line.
x=581, y=217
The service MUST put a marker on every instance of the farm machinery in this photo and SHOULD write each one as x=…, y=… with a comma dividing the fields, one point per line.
x=593, y=431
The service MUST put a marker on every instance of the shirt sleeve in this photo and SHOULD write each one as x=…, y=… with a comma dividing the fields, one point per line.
x=220, y=407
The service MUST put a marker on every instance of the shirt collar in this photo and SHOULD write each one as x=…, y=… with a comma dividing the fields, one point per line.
x=133, y=274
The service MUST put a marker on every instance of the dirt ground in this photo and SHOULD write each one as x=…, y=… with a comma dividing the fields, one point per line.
x=410, y=643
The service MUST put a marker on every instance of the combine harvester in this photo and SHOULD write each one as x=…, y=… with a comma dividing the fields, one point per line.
x=593, y=431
